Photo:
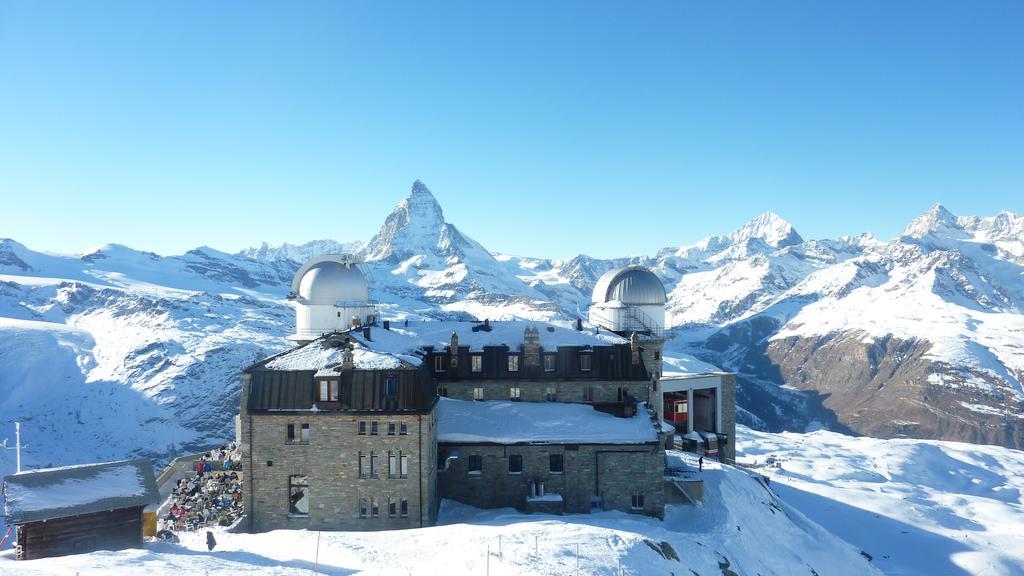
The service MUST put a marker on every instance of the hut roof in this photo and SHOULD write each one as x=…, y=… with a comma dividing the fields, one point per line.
x=51, y=493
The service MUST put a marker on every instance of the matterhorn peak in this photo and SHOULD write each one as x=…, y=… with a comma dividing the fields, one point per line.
x=413, y=227
x=421, y=203
x=418, y=187
x=770, y=228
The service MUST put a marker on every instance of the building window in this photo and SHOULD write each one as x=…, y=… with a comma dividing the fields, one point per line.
x=405, y=507
x=637, y=502
x=588, y=393
x=374, y=508
x=515, y=464
x=513, y=363
x=364, y=465
x=373, y=428
x=513, y=393
x=478, y=393
x=550, y=395
x=475, y=464
x=404, y=461
x=403, y=429
x=657, y=355
x=549, y=362
x=439, y=363
x=442, y=392
x=374, y=468
x=392, y=508
x=391, y=428
x=391, y=385
x=301, y=438
x=364, y=507
x=556, y=465
x=362, y=427
x=298, y=495
x=585, y=362
x=476, y=363
x=392, y=464
x=328, y=391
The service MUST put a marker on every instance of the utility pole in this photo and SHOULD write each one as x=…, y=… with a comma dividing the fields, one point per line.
x=17, y=446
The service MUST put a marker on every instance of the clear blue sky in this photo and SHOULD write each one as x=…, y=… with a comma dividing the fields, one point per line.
x=544, y=128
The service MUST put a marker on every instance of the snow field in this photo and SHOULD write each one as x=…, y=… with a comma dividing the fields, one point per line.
x=918, y=507
x=741, y=526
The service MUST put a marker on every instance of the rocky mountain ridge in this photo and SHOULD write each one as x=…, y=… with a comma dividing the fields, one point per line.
x=919, y=336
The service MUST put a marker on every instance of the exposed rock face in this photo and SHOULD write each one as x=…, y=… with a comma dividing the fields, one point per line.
x=887, y=388
x=9, y=255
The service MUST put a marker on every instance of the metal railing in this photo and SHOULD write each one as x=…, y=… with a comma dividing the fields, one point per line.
x=643, y=325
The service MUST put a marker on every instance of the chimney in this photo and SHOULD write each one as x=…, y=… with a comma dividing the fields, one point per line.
x=634, y=346
x=579, y=324
x=366, y=333
x=531, y=346
x=387, y=325
x=453, y=349
x=347, y=361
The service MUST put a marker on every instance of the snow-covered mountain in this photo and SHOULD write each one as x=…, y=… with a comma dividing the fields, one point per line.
x=117, y=352
x=301, y=252
x=919, y=336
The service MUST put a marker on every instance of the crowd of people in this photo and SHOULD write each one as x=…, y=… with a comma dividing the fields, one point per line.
x=212, y=496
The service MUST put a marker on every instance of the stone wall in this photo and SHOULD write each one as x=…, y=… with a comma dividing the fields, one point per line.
x=612, y=472
x=728, y=452
x=331, y=464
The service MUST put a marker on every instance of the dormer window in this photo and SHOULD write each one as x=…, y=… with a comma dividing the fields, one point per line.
x=328, y=391
x=440, y=363
x=513, y=363
x=476, y=363
x=391, y=385
x=549, y=362
x=585, y=361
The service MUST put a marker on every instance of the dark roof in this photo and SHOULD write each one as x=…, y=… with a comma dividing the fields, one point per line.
x=53, y=493
x=281, y=390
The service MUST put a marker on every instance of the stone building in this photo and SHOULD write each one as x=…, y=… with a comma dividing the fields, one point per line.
x=550, y=457
x=367, y=424
x=337, y=438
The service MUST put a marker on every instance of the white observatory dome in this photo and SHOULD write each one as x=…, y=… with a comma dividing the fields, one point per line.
x=329, y=282
x=631, y=285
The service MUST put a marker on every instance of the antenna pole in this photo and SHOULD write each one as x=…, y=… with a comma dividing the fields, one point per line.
x=17, y=447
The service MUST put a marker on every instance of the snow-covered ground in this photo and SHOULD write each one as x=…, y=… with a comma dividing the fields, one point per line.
x=741, y=529
x=917, y=506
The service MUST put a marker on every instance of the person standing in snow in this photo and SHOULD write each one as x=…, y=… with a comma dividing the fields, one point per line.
x=211, y=542
x=700, y=463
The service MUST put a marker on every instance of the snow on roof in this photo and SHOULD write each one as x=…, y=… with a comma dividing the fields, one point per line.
x=322, y=353
x=402, y=339
x=505, y=422
x=73, y=490
x=678, y=364
x=389, y=349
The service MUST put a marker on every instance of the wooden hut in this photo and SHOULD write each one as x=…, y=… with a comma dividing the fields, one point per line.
x=79, y=509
